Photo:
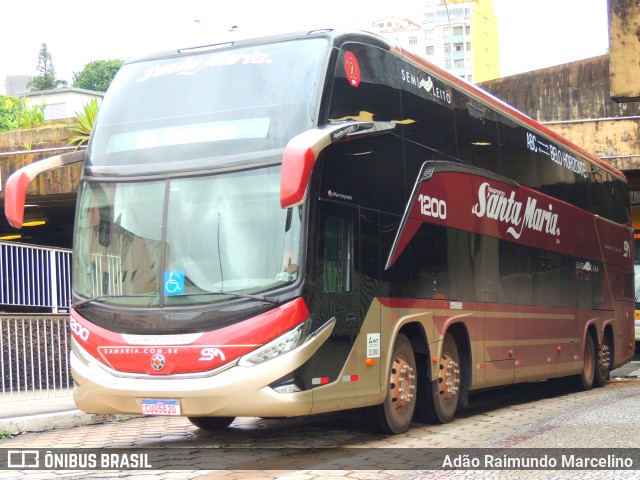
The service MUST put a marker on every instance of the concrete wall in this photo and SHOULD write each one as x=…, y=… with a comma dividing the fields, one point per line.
x=624, y=47
x=22, y=147
x=574, y=100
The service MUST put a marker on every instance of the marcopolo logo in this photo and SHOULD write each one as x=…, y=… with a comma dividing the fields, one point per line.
x=339, y=196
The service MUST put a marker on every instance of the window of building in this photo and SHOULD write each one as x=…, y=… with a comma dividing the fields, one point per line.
x=468, y=30
x=430, y=50
x=429, y=17
x=441, y=16
x=457, y=30
x=413, y=40
x=468, y=46
x=447, y=48
x=458, y=63
x=447, y=64
x=458, y=47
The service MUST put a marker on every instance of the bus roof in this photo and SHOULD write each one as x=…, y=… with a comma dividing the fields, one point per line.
x=236, y=38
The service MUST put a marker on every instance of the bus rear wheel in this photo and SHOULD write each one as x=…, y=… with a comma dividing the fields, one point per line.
x=584, y=380
x=211, y=423
x=442, y=396
x=394, y=415
x=604, y=361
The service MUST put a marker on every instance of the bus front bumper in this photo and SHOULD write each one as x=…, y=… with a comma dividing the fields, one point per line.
x=236, y=391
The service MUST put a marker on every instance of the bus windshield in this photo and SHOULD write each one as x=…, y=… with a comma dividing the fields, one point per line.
x=173, y=113
x=224, y=233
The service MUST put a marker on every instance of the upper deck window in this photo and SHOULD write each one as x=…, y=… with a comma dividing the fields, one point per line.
x=208, y=105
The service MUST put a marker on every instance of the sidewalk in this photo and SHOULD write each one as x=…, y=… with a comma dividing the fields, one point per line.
x=41, y=414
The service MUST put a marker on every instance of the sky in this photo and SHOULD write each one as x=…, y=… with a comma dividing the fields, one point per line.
x=533, y=34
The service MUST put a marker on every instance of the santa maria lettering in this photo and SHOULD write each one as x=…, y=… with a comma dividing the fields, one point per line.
x=495, y=204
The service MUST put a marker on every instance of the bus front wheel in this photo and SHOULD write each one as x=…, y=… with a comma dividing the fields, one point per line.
x=211, y=423
x=395, y=414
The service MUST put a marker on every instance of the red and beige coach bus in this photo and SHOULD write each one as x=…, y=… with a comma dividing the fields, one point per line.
x=306, y=223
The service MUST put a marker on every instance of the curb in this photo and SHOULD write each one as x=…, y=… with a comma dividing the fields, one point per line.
x=50, y=421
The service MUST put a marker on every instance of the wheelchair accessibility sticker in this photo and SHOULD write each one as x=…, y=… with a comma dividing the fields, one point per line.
x=174, y=283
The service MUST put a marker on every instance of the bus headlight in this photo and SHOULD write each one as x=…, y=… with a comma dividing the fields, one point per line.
x=281, y=345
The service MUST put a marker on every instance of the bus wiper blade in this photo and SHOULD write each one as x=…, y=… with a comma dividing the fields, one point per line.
x=106, y=296
x=261, y=298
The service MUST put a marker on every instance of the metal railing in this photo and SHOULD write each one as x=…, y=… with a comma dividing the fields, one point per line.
x=34, y=348
x=34, y=357
x=33, y=276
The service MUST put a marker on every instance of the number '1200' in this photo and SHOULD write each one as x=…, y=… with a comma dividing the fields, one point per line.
x=432, y=207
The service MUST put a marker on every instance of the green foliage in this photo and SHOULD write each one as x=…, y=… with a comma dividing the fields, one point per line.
x=15, y=115
x=46, y=78
x=84, y=123
x=5, y=434
x=97, y=75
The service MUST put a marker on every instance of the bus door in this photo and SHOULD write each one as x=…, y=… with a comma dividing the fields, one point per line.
x=338, y=285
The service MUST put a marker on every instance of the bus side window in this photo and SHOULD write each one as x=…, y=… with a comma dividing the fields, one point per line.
x=336, y=250
x=477, y=133
x=518, y=161
x=428, y=120
x=431, y=263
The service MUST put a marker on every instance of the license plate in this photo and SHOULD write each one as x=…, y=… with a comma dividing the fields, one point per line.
x=152, y=406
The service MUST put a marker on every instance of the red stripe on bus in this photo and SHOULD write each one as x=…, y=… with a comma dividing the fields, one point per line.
x=210, y=351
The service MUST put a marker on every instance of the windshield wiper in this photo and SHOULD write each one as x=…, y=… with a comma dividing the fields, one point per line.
x=108, y=295
x=261, y=298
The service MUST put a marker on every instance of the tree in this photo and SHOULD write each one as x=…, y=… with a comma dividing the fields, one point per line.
x=84, y=123
x=46, y=78
x=97, y=75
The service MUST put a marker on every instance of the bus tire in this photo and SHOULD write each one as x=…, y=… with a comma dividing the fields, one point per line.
x=604, y=362
x=395, y=414
x=211, y=423
x=443, y=394
x=584, y=380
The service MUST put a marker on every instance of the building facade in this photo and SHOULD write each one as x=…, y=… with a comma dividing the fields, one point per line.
x=60, y=103
x=460, y=36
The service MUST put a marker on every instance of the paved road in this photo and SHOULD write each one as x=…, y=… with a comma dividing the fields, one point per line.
x=526, y=416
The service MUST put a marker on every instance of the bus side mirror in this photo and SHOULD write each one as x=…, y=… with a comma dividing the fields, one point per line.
x=302, y=152
x=16, y=187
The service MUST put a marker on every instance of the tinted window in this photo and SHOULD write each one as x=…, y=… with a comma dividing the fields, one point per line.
x=336, y=254
x=518, y=161
x=210, y=104
x=363, y=87
x=477, y=133
x=427, y=111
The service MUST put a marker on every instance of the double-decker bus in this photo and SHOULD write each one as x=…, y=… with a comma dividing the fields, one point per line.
x=306, y=223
